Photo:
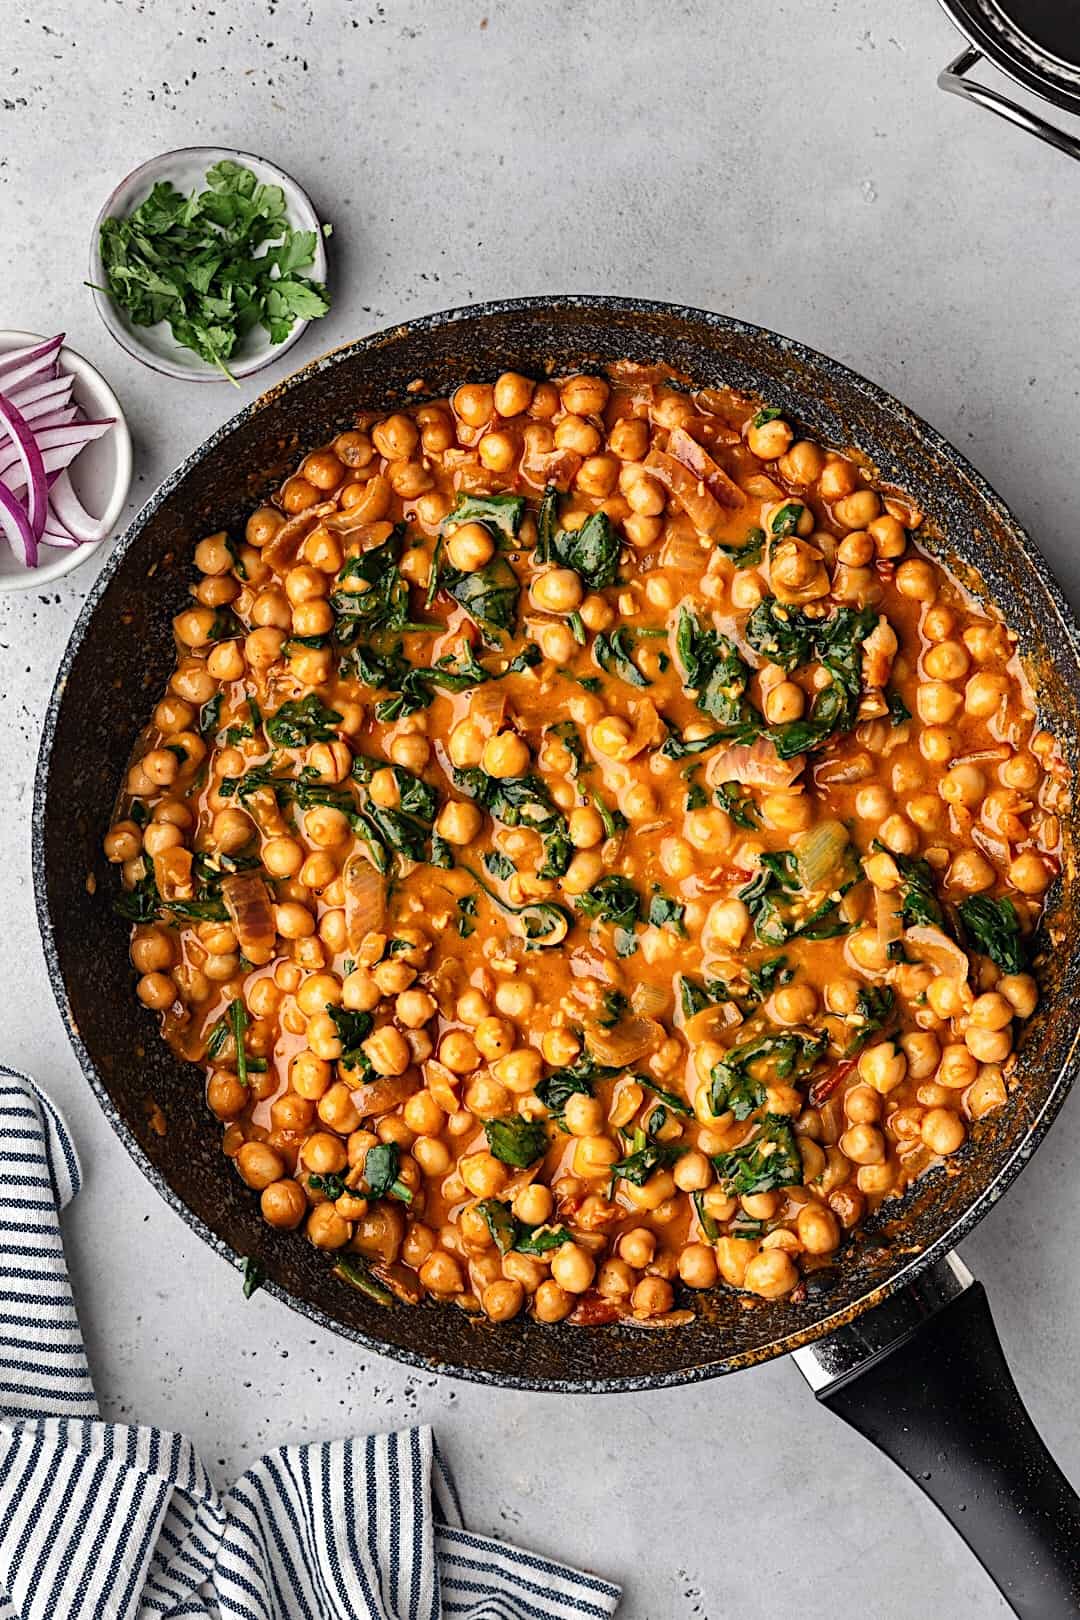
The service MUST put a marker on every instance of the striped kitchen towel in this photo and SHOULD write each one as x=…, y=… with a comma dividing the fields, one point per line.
x=104, y=1521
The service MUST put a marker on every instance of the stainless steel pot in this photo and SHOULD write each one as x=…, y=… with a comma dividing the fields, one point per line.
x=1036, y=43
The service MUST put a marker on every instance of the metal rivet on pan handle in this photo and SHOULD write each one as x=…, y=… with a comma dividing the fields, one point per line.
x=952, y=79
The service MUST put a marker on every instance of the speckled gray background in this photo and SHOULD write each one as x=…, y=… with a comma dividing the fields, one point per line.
x=792, y=164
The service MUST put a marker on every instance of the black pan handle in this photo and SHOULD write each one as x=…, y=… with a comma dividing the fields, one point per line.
x=939, y=1399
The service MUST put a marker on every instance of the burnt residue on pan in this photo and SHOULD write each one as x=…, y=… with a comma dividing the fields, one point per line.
x=122, y=650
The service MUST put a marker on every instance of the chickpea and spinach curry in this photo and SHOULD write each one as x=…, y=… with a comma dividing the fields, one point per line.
x=591, y=848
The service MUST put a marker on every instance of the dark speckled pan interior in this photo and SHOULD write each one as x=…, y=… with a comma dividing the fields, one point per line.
x=120, y=656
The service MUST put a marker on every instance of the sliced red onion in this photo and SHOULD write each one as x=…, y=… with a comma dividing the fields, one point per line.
x=56, y=445
x=28, y=452
x=49, y=388
x=40, y=354
x=66, y=507
x=16, y=525
x=52, y=417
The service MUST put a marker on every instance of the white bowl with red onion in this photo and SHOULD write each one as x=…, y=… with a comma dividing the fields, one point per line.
x=65, y=459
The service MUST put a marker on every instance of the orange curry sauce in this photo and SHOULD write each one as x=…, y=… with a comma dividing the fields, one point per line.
x=613, y=841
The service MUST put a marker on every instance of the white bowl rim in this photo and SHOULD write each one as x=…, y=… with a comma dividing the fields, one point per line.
x=63, y=560
x=201, y=372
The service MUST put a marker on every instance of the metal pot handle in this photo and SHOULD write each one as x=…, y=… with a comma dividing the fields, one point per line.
x=952, y=79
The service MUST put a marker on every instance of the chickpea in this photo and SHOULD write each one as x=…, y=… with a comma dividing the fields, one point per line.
x=520, y=1071
x=1029, y=874
x=326, y=1229
x=458, y=821
x=123, y=842
x=572, y=1268
x=922, y=1051
x=971, y=872
x=726, y=925
x=693, y=1172
x=283, y=1204
x=653, y=1296
x=584, y=869
x=231, y=831
x=323, y=469
x=470, y=546
x=474, y=403
x=556, y=590
x=936, y=704
x=770, y=439
x=494, y=1038
x=412, y=750
x=324, y=1154
x=883, y=1067
x=551, y=1303
x=584, y=395
x=534, y=1204
x=986, y=1092
x=964, y=785
x=947, y=661
x=818, y=1229
x=943, y=1131
x=770, y=1274
x=512, y=394
x=857, y=510
x=638, y=1247
x=794, y=1003
x=458, y=1052
x=156, y=991
x=985, y=695
x=1021, y=992
x=484, y=1176
x=863, y=1144
x=226, y=1097
x=506, y=755
x=991, y=1011
x=917, y=580
x=387, y=1051
x=259, y=1165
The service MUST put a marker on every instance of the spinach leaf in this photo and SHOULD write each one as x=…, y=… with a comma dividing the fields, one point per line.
x=302, y=721
x=500, y=512
x=712, y=670
x=735, y=1087
x=615, y=1007
x=516, y=1141
x=750, y=553
x=555, y=1090
x=383, y=601
x=638, y=1167
x=467, y=915
x=919, y=904
x=874, y=1008
x=771, y=1160
x=416, y=797
x=696, y=796
x=591, y=551
x=764, y=978
x=993, y=927
x=781, y=908
x=738, y=802
x=499, y=865
x=898, y=709
x=547, y=523
x=489, y=596
x=783, y=635
x=331, y=1185
x=381, y=1165
x=442, y=853
x=768, y=413
x=666, y=913
x=611, y=899
x=570, y=737
x=353, y=1028
x=677, y=1105
x=614, y=821
x=509, y=1233
x=613, y=653
x=785, y=520
x=254, y=1275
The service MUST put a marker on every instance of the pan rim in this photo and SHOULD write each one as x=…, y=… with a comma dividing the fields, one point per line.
x=548, y=304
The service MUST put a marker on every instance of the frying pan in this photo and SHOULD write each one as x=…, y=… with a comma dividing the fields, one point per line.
x=895, y=1337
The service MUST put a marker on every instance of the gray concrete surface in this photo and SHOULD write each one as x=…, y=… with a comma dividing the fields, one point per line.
x=793, y=164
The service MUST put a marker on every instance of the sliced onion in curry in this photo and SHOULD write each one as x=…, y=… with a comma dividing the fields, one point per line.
x=755, y=764
x=699, y=462
x=365, y=900
x=629, y=1040
x=247, y=900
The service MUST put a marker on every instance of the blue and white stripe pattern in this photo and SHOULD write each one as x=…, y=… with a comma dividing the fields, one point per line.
x=102, y=1521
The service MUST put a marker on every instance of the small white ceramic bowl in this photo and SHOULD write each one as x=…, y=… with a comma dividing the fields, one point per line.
x=100, y=474
x=155, y=346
